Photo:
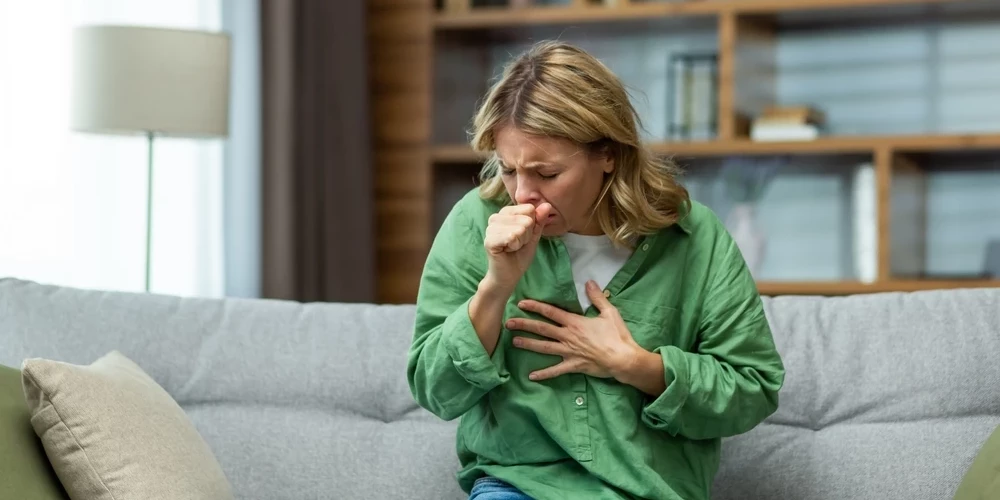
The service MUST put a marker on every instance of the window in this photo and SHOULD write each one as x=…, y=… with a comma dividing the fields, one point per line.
x=72, y=205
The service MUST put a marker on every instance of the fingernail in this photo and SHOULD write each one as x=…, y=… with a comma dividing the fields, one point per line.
x=517, y=342
x=510, y=323
x=533, y=377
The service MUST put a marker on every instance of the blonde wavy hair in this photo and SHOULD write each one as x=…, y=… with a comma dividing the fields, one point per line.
x=555, y=89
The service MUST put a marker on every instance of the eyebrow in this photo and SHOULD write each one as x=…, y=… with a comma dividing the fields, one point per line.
x=532, y=165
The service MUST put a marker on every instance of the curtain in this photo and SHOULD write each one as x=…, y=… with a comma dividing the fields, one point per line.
x=72, y=205
x=318, y=207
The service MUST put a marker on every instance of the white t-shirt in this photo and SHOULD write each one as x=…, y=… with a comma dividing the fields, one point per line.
x=593, y=258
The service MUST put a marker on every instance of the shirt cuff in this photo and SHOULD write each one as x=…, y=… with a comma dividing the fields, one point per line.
x=663, y=413
x=467, y=353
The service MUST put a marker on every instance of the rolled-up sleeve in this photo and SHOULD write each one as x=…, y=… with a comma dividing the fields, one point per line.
x=448, y=369
x=730, y=383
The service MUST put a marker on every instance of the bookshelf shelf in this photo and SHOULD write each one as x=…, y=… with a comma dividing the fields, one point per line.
x=452, y=154
x=856, y=287
x=496, y=17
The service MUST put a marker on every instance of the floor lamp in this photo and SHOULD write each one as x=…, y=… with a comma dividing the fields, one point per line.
x=153, y=82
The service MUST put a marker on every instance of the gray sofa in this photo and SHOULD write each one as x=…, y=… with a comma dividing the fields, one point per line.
x=887, y=396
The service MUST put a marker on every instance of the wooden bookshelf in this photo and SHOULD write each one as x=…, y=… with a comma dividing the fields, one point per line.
x=494, y=17
x=408, y=36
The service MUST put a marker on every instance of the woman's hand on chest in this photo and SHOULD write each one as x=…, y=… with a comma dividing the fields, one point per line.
x=601, y=346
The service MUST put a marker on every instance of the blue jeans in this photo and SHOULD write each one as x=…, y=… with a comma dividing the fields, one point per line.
x=491, y=488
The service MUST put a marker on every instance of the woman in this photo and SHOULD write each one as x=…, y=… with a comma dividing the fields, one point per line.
x=597, y=332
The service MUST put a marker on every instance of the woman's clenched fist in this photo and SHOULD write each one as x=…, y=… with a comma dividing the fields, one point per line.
x=512, y=236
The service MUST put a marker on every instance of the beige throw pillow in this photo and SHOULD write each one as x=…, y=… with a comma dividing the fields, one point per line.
x=112, y=433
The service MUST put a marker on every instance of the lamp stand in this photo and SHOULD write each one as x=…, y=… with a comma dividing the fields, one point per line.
x=149, y=204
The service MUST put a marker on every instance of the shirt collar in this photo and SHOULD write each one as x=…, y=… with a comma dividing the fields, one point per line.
x=684, y=222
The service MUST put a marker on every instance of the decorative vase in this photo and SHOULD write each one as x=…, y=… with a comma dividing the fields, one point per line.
x=865, y=211
x=749, y=237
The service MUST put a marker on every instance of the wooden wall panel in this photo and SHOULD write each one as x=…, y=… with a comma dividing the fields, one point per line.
x=402, y=174
x=408, y=20
x=401, y=42
x=401, y=67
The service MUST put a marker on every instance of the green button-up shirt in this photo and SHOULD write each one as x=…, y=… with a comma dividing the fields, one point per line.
x=685, y=293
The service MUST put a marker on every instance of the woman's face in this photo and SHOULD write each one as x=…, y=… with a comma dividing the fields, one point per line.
x=538, y=169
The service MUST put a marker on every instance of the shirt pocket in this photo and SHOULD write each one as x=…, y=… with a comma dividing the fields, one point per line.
x=651, y=326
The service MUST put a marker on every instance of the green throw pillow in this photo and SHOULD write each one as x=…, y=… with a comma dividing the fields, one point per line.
x=25, y=470
x=982, y=480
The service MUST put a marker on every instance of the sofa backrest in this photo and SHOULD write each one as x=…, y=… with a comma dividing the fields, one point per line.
x=296, y=400
x=886, y=396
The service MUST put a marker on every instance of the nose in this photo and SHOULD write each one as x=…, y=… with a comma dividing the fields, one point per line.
x=526, y=192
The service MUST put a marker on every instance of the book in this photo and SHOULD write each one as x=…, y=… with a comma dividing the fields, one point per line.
x=782, y=132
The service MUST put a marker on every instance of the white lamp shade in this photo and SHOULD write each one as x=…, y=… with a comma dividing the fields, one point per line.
x=129, y=79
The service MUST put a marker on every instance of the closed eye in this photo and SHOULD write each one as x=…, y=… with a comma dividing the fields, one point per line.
x=507, y=172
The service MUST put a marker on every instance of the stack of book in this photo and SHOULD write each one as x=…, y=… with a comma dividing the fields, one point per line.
x=787, y=123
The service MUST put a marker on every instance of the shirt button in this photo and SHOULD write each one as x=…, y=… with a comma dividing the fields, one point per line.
x=607, y=293
x=579, y=400
x=645, y=246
